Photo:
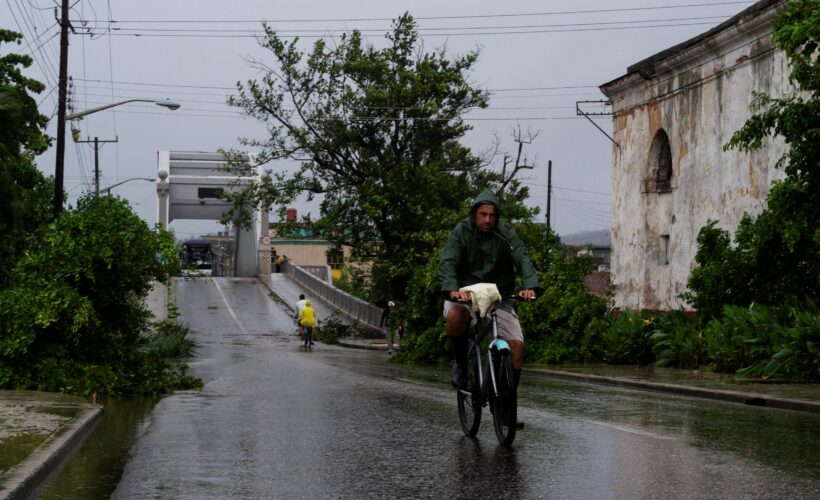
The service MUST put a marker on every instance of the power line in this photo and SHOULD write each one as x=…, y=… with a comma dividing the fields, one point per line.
x=423, y=31
x=123, y=94
x=466, y=119
x=211, y=34
x=216, y=87
x=160, y=84
x=592, y=212
x=428, y=18
x=40, y=61
x=581, y=190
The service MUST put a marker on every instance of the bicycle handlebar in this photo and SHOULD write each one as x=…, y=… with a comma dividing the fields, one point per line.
x=508, y=297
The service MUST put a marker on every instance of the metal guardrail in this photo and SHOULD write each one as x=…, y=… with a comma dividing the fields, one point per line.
x=354, y=308
x=321, y=272
x=222, y=264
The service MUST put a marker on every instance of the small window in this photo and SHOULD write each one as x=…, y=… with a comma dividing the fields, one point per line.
x=663, y=256
x=659, y=179
x=209, y=192
x=335, y=259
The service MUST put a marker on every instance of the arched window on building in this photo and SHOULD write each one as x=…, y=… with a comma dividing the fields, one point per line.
x=659, y=179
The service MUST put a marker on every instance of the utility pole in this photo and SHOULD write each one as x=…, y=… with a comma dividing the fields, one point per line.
x=549, y=192
x=96, y=143
x=61, y=102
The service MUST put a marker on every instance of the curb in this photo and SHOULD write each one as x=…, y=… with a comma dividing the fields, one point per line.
x=747, y=398
x=23, y=479
x=363, y=345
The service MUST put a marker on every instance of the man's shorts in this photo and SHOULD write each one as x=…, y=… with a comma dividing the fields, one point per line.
x=509, y=328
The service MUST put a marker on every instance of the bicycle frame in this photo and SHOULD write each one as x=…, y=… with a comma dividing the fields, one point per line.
x=499, y=344
x=490, y=381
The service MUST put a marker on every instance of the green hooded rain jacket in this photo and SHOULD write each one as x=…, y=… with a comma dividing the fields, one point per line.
x=472, y=256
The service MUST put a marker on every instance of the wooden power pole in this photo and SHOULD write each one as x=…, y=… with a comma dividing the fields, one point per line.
x=61, y=105
x=549, y=192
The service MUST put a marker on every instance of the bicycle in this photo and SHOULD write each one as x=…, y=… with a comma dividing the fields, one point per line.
x=491, y=383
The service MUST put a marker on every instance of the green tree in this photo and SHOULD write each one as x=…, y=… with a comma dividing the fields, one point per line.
x=376, y=132
x=776, y=256
x=73, y=318
x=24, y=192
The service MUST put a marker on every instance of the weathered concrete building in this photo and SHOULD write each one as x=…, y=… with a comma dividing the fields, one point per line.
x=673, y=113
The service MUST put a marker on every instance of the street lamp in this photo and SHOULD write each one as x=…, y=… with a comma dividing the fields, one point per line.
x=165, y=103
x=58, y=169
x=108, y=189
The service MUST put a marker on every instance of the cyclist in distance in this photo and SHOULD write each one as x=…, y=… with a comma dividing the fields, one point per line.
x=484, y=249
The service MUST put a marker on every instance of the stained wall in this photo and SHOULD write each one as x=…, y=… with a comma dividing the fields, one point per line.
x=698, y=94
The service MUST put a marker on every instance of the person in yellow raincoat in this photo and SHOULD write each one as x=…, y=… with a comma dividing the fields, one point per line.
x=307, y=318
x=279, y=261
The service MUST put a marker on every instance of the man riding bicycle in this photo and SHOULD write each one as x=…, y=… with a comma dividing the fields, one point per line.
x=484, y=249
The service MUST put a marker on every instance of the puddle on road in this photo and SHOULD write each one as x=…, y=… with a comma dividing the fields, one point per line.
x=28, y=419
x=95, y=469
x=15, y=448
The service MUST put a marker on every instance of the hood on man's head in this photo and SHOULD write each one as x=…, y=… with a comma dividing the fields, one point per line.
x=484, y=198
x=307, y=302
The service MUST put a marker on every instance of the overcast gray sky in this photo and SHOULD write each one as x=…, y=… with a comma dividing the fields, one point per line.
x=537, y=59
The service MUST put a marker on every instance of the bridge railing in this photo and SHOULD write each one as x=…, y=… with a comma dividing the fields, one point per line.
x=354, y=308
x=222, y=264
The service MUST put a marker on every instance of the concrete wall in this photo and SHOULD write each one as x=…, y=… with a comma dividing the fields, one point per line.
x=699, y=94
x=305, y=252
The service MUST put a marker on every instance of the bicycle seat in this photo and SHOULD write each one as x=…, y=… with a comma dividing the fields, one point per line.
x=484, y=296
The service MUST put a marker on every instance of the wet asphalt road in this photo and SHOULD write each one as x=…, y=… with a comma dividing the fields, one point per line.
x=276, y=422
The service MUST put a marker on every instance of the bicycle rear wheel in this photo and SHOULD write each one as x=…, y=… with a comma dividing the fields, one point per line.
x=469, y=400
x=504, y=403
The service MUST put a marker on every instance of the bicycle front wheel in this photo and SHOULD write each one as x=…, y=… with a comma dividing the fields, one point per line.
x=469, y=400
x=503, y=402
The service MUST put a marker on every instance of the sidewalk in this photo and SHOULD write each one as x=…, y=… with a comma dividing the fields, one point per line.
x=38, y=430
x=695, y=383
x=370, y=344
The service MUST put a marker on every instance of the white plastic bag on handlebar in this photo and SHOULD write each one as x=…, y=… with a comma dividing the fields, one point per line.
x=485, y=296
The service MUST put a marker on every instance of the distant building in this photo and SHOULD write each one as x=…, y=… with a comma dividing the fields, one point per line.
x=673, y=113
x=595, y=244
x=304, y=248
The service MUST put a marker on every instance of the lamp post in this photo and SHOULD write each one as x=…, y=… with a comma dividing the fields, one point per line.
x=166, y=103
x=60, y=163
x=109, y=188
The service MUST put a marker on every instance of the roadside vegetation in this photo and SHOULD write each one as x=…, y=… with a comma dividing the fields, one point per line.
x=377, y=131
x=756, y=293
x=72, y=319
x=71, y=288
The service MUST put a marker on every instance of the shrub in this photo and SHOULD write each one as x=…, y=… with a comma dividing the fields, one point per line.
x=331, y=329
x=168, y=339
x=736, y=340
x=431, y=347
x=799, y=356
x=766, y=342
x=628, y=339
x=677, y=341
x=73, y=319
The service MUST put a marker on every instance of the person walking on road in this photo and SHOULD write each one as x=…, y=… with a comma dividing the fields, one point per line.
x=307, y=318
x=300, y=304
x=279, y=261
x=386, y=327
